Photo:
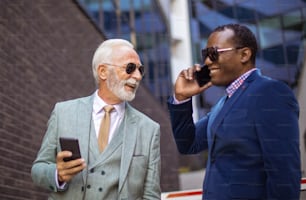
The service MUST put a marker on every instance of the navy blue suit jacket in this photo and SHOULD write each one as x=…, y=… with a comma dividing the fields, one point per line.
x=253, y=142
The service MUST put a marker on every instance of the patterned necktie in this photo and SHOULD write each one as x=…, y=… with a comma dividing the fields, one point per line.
x=104, y=128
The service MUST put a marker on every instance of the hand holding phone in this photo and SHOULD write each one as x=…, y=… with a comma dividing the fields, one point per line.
x=202, y=76
x=72, y=145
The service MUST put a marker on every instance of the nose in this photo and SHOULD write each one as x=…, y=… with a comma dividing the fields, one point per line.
x=207, y=61
x=137, y=75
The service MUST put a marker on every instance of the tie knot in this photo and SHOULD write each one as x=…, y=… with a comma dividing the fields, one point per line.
x=108, y=108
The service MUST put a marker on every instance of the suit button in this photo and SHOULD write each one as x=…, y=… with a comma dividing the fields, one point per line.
x=51, y=187
x=103, y=173
x=100, y=189
x=82, y=188
x=92, y=170
x=88, y=186
x=213, y=160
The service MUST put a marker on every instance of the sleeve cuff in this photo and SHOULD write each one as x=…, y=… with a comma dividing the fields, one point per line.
x=176, y=102
x=59, y=186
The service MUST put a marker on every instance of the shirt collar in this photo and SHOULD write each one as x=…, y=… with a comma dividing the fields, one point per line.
x=232, y=88
x=98, y=105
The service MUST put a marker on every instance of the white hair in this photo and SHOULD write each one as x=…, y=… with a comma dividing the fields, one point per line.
x=103, y=53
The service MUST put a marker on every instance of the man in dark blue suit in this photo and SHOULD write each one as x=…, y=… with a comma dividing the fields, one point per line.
x=251, y=134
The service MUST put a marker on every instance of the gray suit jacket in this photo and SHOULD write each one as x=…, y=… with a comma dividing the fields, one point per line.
x=139, y=171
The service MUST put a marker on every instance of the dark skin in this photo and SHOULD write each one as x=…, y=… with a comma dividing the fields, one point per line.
x=229, y=66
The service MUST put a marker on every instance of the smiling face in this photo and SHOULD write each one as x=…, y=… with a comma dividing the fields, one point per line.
x=230, y=64
x=125, y=90
x=116, y=85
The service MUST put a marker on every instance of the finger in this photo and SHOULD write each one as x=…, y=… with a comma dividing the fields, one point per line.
x=70, y=169
x=184, y=73
x=197, y=67
x=190, y=73
x=74, y=163
x=74, y=170
x=63, y=154
x=206, y=86
x=62, y=166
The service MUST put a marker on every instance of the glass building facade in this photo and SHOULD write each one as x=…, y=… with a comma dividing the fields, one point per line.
x=142, y=23
x=279, y=26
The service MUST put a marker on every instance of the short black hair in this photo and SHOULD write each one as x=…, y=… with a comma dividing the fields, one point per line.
x=243, y=37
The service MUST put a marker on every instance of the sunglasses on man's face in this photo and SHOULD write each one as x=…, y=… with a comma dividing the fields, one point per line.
x=213, y=52
x=130, y=68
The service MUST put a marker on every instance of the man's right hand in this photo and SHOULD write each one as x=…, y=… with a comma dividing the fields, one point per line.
x=67, y=170
x=186, y=85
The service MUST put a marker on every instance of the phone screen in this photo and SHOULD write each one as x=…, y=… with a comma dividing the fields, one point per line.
x=70, y=144
x=202, y=76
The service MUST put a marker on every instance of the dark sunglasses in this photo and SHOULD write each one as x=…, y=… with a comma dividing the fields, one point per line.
x=213, y=52
x=130, y=68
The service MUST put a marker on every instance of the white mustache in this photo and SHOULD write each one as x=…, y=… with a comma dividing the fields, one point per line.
x=132, y=82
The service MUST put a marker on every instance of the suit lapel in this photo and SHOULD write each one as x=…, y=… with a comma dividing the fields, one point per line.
x=229, y=103
x=84, y=126
x=129, y=129
x=226, y=107
x=99, y=158
x=214, y=113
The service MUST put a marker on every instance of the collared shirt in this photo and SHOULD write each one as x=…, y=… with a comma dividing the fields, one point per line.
x=116, y=116
x=232, y=88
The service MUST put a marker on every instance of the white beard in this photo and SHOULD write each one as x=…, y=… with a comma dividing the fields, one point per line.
x=116, y=86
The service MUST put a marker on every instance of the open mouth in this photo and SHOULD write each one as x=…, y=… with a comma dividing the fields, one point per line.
x=132, y=86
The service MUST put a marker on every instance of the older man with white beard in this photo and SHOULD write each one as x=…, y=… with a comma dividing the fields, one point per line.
x=119, y=146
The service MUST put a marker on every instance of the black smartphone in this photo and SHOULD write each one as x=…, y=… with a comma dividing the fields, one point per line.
x=70, y=144
x=202, y=76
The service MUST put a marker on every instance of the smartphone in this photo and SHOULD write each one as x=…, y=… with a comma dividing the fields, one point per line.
x=70, y=144
x=202, y=76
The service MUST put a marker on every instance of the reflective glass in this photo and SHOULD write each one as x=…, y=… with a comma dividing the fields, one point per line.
x=270, y=33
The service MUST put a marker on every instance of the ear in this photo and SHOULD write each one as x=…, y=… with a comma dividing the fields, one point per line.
x=246, y=54
x=102, y=72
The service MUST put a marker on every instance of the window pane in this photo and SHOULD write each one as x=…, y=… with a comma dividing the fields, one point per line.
x=270, y=33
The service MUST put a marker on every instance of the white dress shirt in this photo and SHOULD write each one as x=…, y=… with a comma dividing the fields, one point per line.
x=116, y=115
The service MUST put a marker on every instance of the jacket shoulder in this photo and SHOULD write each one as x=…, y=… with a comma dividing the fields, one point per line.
x=72, y=104
x=267, y=83
x=142, y=117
